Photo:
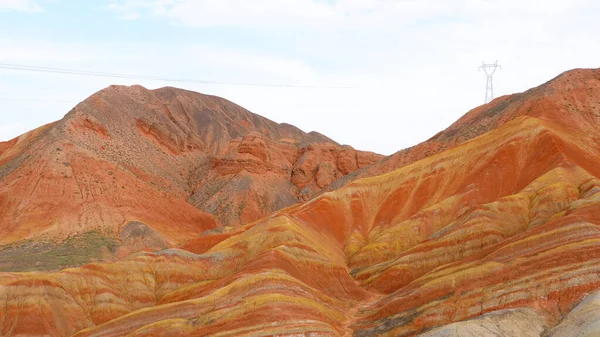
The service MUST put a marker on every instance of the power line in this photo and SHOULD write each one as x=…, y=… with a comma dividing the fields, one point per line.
x=42, y=100
x=10, y=99
x=19, y=67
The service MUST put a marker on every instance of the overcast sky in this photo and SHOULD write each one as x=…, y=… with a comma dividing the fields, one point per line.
x=411, y=66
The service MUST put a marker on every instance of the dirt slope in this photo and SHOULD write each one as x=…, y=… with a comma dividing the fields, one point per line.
x=496, y=236
x=149, y=169
x=571, y=91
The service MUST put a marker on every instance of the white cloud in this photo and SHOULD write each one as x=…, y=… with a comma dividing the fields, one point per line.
x=129, y=10
x=339, y=13
x=225, y=13
x=20, y=6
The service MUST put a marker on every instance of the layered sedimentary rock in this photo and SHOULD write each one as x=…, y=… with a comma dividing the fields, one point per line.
x=496, y=236
x=177, y=162
x=257, y=175
x=570, y=92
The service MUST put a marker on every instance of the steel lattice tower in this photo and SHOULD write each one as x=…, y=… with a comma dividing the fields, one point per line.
x=489, y=70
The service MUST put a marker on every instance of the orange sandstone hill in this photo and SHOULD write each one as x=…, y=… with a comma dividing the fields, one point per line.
x=151, y=169
x=570, y=91
x=495, y=235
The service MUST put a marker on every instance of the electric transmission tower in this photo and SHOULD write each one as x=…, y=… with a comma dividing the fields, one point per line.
x=489, y=69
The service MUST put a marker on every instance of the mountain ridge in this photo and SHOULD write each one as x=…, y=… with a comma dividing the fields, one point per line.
x=121, y=153
x=479, y=121
x=496, y=236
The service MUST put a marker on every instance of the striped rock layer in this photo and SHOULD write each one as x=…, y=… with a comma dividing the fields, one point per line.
x=496, y=236
x=132, y=169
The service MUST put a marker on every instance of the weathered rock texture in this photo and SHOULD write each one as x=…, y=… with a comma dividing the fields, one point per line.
x=570, y=91
x=496, y=236
x=176, y=161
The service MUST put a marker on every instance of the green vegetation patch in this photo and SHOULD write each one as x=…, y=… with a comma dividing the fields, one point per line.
x=36, y=255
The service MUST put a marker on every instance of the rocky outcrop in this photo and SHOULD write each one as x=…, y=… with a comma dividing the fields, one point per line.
x=583, y=321
x=503, y=323
x=257, y=176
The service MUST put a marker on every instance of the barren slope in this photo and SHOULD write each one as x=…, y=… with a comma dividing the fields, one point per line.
x=149, y=169
x=571, y=91
x=497, y=236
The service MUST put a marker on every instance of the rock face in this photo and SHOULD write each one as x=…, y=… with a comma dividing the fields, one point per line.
x=257, y=175
x=509, y=322
x=583, y=321
x=496, y=236
x=176, y=161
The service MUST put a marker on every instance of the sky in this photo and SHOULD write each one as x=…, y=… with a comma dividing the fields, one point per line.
x=379, y=75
